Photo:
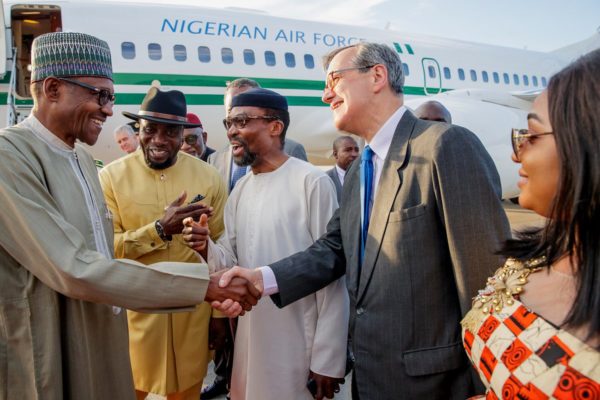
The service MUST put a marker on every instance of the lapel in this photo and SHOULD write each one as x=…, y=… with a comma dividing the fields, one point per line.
x=386, y=192
x=227, y=160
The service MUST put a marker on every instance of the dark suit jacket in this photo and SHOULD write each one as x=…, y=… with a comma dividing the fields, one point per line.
x=332, y=173
x=436, y=222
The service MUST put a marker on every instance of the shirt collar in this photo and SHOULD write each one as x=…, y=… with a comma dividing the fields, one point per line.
x=383, y=138
x=340, y=171
x=32, y=123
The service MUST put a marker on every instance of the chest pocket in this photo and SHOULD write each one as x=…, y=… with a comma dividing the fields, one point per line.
x=407, y=213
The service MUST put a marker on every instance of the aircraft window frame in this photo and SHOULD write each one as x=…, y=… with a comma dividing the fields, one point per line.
x=290, y=60
x=506, y=78
x=204, y=55
x=270, y=59
x=227, y=55
x=447, y=73
x=516, y=79
x=309, y=61
x=249, y=57
x=431, y=71
x=544, y=81
x=473, y=75
x=128, y=50
x=179, y=52
x=154, y=51
x=534, y=80
x=405, y=69
x=496, y=77
x=485, y=77
x=525, y=80
x=461, y=74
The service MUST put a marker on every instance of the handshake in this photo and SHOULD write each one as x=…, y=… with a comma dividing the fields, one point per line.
x=232, y=291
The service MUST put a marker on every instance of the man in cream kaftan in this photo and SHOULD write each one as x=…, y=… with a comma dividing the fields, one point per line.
x=267, y=217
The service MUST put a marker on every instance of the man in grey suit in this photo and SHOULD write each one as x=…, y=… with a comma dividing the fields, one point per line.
x=345, y=151
x=435, y=222
x=222, y=159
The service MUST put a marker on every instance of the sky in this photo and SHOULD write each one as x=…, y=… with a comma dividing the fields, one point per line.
x=542, y=25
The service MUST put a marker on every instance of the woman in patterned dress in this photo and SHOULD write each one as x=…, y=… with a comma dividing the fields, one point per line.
x=534, y=330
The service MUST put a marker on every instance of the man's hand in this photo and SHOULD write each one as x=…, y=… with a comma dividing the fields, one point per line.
x=176, y=212
x=196, y=234
x=230, y=307
x=217, y=333
x=326, y=385
x=239, y=295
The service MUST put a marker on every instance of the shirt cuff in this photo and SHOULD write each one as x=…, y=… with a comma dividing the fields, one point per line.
x=269, y=281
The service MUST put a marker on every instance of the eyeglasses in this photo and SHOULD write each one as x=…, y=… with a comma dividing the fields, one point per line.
x=240, y=121
x=521, y=136
x=104, y=95
x=332, y=81
x=191, y=139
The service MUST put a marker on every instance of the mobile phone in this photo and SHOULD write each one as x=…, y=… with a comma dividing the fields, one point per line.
x=196, y=199
x=311, y=385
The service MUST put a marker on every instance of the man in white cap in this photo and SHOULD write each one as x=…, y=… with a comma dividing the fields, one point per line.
x=62, y=332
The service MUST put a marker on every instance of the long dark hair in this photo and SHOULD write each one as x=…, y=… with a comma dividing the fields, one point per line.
x=573, y=228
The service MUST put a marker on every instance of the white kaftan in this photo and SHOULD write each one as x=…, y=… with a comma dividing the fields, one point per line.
x=270, y=216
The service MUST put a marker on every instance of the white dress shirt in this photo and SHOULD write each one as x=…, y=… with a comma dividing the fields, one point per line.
x=341, y=173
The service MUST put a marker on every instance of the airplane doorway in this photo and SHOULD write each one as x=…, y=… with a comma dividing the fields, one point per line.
x=432, y=78
x=27, y=23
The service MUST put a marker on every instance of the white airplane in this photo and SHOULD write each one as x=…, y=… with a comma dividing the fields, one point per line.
x=488, y=89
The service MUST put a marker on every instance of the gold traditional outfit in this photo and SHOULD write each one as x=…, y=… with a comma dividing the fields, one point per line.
x=169, y=352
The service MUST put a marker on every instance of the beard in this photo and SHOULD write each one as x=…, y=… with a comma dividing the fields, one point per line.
x=248, y=158
x=158, y=165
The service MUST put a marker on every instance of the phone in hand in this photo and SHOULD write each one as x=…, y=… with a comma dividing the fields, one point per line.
x=311, y=385
x=196, y=199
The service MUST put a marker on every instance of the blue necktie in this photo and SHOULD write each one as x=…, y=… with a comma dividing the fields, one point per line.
x=366, y=191
x=237, y=174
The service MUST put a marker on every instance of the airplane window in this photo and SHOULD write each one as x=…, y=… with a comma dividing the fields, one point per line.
x=290, y=60
x=405, y=69
x=179, y=52
x=128, y=50
x=227, y=55
x=525, y=80
x=249, y=58
x=484, y=76
x=506, y=78
x=447, y=73
x=461, y=74
x=473, y=75
x=496, y=77
x=431, y=70
x=534, y=80
x=203, y=54
x=309, y=61
x=516, y=79
x=269, y=58
x=544, y=81
x=154, y=51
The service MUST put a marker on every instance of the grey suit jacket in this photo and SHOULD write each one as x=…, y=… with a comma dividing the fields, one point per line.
x=332, y=173
x=221, y=160
x=436, y=222
x=294, y=149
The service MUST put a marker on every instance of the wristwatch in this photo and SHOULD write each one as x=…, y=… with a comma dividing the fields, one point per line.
x=161, y=232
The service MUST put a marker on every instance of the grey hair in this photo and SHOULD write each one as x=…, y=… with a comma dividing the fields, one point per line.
x=369, y=53
x=242, y=82
x=125, y=128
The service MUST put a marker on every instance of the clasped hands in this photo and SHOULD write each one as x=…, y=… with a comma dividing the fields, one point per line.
x=231, y=291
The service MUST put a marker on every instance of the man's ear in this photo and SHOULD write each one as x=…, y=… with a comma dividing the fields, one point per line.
x=52, y=89
x=276, y=128
x=380, y=77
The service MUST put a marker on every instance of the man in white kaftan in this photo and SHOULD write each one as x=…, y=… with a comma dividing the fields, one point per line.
x=270, y=214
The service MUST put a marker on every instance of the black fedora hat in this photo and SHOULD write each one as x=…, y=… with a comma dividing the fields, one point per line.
x=163, y=108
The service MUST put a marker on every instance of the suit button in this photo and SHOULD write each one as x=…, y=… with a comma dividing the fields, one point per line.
x=360, y=311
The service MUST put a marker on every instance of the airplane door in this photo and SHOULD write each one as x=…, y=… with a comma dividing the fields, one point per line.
x=432, y=78
x=2, y=41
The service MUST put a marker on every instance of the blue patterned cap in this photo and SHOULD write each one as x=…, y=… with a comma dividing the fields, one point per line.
x=69, y=54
